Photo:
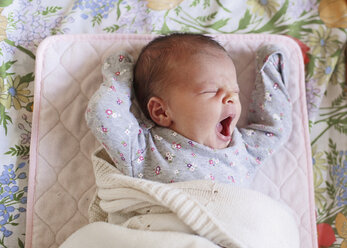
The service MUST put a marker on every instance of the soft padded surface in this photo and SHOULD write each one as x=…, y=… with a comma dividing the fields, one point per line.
x=61, y=177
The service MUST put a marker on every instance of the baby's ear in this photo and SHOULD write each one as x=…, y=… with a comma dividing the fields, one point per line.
x=158, y=111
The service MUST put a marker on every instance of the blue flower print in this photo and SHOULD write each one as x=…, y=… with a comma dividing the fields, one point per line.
x=5, y=211
x=10, y=191
x=22, y=175
x=22, y=210
x=6, y=232
x=8, y=175
x=21, y=165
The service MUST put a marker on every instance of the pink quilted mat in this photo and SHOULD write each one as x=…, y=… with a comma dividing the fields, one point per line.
x=61, y=181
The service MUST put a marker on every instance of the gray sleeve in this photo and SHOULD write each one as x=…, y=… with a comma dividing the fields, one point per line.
x=108, y=114
x=270, y=111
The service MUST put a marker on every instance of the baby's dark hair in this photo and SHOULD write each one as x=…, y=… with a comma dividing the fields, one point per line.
x=153, y=68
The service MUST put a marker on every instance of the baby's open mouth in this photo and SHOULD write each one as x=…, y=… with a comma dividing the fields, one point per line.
x=223, y=127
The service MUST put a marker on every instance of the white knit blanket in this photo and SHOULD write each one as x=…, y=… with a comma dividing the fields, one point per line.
x=200, y=213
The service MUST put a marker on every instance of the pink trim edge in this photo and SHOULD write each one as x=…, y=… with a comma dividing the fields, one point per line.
x=37, y=107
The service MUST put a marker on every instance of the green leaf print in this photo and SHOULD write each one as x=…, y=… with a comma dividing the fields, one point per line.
x=97, y=19
x=4, y=118
x=112, y=29
x=270, y=25
x=27, y=78
x=219, y=24
x=244, y=22
x=18, y=150
x=20, y=243
x=4, y=67
x=51, y=10
x=208, y=17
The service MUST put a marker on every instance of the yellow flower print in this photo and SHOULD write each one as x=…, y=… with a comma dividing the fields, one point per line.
x=13, y=93
x=319, y=166
x=341, y=227
x=325, y=70
x=339, y=72
x=162, y=4
x=261, y=6
x=3, y=26
x=323, y=42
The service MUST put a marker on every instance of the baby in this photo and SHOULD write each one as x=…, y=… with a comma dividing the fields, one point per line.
x=182, y=123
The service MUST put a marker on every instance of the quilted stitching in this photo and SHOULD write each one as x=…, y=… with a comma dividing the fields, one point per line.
x=64, y=182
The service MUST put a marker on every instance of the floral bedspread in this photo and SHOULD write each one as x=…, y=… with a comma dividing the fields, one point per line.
x=322, y=37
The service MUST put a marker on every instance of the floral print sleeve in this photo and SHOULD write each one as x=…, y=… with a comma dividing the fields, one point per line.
x=269, y=117
x=109, y=114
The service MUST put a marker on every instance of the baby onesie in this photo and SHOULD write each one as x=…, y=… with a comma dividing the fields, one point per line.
x=140, y=148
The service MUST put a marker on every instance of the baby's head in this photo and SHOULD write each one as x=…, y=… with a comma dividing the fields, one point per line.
x=187, y=82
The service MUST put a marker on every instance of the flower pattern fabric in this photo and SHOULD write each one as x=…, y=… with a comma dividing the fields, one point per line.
x=25, y=23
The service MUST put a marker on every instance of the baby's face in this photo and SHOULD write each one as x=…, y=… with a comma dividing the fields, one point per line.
x=204, y=103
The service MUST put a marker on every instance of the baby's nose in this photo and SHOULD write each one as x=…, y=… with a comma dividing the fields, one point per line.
x=228, y=98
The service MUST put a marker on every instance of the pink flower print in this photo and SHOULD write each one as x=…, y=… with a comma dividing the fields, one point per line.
x=193, y=154
x=169, y=156
x=231, y=178
x=121, y=57
x=140, y=131
x=152, y=149
x=270, y=151
x=122, y=156
x=191, y=143
x=104, y=129
x=211, y=162
x=119, y=101
x=258, y=160
x=140, y=159
x=113, y=88
x=157, y=170
x=176, y=146
x=108, y=112
x=212, y=177
x=275, y=86
x=127, y=132
x=124, y=143
x=117, y=73
x=191, y=167
x=268, y=134
x=139, y=152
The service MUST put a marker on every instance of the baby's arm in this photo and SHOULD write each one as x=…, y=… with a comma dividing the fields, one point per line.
x=108, y=114
x=270, y=111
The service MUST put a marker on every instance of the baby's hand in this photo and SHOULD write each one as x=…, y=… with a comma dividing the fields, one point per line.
x=119, y=66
